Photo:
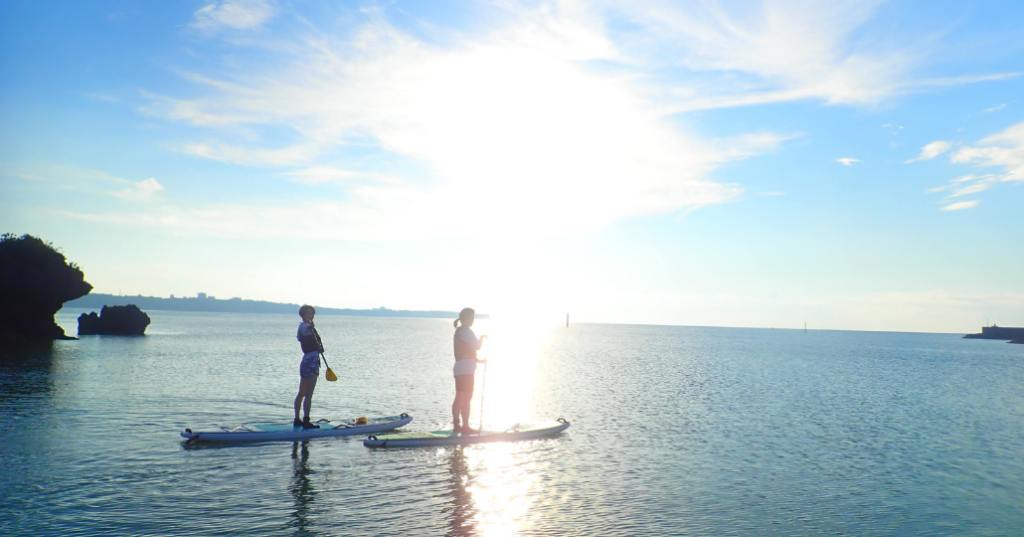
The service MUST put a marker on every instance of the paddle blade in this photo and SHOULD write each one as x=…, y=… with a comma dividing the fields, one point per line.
x=331, y=377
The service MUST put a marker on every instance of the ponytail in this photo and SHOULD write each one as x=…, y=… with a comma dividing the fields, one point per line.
x=466, y=313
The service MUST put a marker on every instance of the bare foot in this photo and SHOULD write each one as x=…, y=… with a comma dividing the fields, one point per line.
x=469, y=430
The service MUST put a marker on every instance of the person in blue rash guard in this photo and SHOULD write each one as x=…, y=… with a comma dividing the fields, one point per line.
x=466, y=345
x=309, y=368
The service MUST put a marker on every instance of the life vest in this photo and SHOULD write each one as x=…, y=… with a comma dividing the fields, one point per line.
x=463, y=350
x=310, y=342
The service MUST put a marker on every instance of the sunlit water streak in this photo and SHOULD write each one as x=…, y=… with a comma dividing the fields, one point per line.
x=676, y=431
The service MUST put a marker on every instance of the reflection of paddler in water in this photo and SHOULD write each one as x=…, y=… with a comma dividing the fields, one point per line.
x=460, y=517
x=301, y=487
x=466, y=345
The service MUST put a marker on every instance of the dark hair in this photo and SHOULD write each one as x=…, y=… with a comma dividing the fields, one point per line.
x=305, y=308
x=466, y=312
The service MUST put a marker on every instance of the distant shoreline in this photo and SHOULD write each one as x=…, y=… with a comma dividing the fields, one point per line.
x=238, y=305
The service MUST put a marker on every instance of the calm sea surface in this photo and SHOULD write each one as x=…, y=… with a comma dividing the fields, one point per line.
x=675, y=431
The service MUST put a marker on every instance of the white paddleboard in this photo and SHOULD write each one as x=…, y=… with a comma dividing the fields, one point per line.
x=287, y=431
x=449, y=438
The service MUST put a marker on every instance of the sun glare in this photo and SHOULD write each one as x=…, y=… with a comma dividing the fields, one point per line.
x=507, y=381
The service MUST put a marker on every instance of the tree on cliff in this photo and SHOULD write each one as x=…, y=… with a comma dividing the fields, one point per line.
x=35, y=281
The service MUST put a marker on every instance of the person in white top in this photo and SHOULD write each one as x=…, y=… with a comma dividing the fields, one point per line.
x=466, y=345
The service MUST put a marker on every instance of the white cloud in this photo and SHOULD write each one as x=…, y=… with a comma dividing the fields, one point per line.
x=931, y=151
x=772, y=193
x=777, y=50
x=996, y=108
x=295, y=155
x=488, y=130
x=144, y=190
x=1004, y=150
x=971, y=189
x=325, y=174
x=893, y=128
x=960, y=205
x=520, y=119
x=236, y=14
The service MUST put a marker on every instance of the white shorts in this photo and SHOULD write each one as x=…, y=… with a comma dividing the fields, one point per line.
x=466, y=366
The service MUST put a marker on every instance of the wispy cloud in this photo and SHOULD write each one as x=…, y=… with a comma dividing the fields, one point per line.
x=996, y=108
x=776, y=51
x=772, y=193
x=961, y=205
x=971, y=189
x=893, y=128
x=236, y=14
x=295, y=155
x=144, y=190
x=490, y=129
x=1003, y=150
x=326, y=174
x=931, y=151
x=980, y=184
x=552, y=110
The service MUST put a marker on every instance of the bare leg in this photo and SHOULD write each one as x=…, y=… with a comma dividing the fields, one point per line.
x=456, y=405
x=310, y=383
x=463, y=399
x=305, y=396
x=300, y=397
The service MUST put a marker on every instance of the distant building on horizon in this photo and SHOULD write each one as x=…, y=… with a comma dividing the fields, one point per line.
x=202, y=296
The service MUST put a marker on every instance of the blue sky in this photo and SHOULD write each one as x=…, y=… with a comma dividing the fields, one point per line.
x=855, y=165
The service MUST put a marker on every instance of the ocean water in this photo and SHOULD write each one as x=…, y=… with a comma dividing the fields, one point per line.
x=675, y=431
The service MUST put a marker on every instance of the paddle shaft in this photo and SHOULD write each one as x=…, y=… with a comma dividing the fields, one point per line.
x=483, y=392
x=321, y=344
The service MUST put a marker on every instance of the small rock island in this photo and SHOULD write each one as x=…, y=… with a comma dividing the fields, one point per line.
x=114, y=321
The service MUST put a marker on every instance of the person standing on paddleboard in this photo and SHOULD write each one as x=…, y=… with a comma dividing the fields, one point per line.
x=466, y=345
x=309, y=368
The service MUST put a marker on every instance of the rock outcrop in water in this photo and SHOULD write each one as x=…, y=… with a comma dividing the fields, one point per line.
x=114, y=321
x=998, y=332
x=35, y=282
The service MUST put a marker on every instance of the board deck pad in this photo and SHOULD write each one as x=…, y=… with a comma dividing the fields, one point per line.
x=449, y=438
x=286, y=431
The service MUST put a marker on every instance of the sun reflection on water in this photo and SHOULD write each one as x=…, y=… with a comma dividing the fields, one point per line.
x=505, y=384
x=493, y=485
x=492, y=488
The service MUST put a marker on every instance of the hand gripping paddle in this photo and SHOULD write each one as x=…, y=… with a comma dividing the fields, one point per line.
x=330, y=376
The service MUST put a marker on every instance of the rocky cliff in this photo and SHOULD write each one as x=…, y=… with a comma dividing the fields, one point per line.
x=35, y=281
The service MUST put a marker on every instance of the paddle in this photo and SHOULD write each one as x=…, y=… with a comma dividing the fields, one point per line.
x=483, y=392
x=330, y=376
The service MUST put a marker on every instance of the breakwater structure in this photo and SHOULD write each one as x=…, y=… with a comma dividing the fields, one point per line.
x=1007, y=333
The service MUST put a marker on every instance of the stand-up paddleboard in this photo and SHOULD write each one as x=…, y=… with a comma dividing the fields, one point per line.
x=448, y=438
x=286, y=431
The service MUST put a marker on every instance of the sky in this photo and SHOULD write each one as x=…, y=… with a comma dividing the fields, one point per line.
x=853, y=165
